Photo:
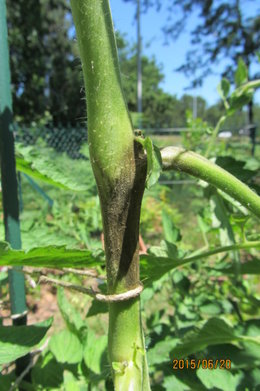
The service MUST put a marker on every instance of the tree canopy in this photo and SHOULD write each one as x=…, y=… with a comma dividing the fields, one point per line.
x=225, y=31
x=47, y=85
x=46, y=81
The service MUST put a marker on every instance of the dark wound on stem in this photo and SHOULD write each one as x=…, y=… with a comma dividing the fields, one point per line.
x=121, y=215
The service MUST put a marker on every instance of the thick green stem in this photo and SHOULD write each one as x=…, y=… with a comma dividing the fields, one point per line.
x=119, y=166
x=181, y=160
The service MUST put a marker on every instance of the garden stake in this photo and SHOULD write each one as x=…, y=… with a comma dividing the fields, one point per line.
x=9, y=185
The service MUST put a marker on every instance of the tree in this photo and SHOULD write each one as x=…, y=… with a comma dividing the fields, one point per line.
x=44, y=63
x=160, y=109
x=224, y=32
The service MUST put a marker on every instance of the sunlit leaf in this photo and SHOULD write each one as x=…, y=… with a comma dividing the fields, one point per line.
x=224, y=379
x=171, y=232
x=70, y=315
x=154, y=161
x=17, y=341
x=39, y=166
x=95, y=355
x=49, y=256
x=223, y=88
x=241, y=73
x=215, y=331
x=66, y=347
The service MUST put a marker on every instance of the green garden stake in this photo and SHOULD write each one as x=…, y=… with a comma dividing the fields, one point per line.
x=39, y=190
x=9, y=183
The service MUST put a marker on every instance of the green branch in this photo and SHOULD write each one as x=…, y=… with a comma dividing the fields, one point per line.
x=174, y=158
x=232, y=247
x=215, y=134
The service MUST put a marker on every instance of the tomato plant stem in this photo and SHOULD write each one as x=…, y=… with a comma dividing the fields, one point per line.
x=119, y=166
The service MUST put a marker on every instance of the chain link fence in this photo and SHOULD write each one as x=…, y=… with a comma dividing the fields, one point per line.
x=63, y=139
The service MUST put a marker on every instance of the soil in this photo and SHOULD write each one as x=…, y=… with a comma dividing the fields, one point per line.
x=40, y=307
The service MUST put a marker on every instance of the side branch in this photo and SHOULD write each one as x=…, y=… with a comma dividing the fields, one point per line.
x=174, y=158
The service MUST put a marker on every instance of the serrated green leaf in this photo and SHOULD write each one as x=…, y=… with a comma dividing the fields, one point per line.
x=66, y=347
x=241, y=74
x=17, y=341
x=49, y=256
x=224, y=379
x=153, y=268
x=40, y=166
x=215, y=331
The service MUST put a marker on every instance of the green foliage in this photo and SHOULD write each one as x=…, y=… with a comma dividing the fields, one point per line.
x=41, y=167
x=241, y=74
x=76, y=355
x=66, y=347
x=50, y=256
x=197, y=134
x=44, y=62
x=154, y=161
x=242, y=94
x=214, y=332
x=17, y=341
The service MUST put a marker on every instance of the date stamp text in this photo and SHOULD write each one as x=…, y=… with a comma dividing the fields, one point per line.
x=204, y=364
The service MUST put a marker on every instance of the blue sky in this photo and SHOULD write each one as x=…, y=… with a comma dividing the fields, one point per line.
x=170, y=56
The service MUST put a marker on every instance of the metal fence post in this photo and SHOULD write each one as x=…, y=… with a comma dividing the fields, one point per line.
x=9, y=183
